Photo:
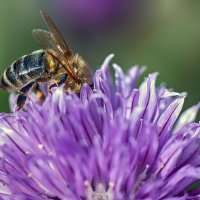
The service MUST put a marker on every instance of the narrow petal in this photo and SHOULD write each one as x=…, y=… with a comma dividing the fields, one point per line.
x=148, y=148
x=168, y=157
x=147, y=97
x=187, y=117
x=168, y=118
x=131, y=102
x=180, y=180
x=119, y=78
x=132, y=76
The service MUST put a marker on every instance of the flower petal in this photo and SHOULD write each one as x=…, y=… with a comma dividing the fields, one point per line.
x=187, y=117
x=168, y=118
x=178, y=182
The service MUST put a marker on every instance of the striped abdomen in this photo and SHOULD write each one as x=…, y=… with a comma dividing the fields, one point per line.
x=25, y=70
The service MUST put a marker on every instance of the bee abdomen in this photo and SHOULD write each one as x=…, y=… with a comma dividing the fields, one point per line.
x=9, y=80
x=31, y=67
x=24, y=70
x=4, y=84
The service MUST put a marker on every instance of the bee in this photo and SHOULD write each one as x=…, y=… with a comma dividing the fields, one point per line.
x=55, y=63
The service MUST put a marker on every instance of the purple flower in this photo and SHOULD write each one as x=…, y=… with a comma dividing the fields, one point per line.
x=114, y=142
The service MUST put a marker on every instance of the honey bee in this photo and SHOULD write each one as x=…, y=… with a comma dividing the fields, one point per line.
x=55, y=62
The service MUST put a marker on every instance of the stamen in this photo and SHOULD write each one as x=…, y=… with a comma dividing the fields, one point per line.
x=40, y=146
x=27, y=152
x=158, y=170
x=100, y=193
x=29, y=175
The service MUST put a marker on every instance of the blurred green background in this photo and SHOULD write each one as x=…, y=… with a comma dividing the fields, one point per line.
x=163, y=35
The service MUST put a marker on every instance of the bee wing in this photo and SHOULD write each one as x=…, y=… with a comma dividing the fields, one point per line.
x=47, y=41
x=57, y=36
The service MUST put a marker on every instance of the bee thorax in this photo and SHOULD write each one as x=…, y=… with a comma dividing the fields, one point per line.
x=81, y=69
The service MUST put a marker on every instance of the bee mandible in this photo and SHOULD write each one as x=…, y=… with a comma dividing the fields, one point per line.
x=55, y=63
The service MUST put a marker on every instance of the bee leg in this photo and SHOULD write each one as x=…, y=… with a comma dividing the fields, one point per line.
x=21, y=99
x=60, y=82
x=51, y=86
x=39, y=93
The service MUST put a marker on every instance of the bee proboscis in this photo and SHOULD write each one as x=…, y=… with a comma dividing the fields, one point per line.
x=55, y=62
